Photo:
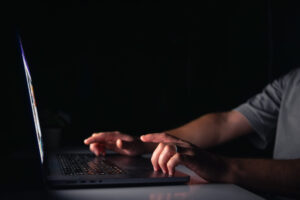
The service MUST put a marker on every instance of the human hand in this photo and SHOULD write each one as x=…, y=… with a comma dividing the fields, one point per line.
x=115, y=141
x=173, y=151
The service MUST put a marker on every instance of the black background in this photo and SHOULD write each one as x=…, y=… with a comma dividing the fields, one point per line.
x=141, y=66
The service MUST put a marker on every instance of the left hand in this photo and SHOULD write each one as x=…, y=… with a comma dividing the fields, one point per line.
x=173, y=151
x=116, y=141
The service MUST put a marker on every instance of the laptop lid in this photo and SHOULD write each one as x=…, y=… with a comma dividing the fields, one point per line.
x=33, y=104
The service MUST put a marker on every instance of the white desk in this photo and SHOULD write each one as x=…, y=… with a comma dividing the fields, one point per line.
x=194, y=190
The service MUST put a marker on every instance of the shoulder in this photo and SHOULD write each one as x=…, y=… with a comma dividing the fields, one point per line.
x=293, y=75
x=289, y=79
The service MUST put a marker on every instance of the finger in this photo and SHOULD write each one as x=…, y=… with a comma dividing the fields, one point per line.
x=165, y=155
x=107, y=136
x=158, y=137
x=119, y=143
x=90, y=139
x=165, y=138
x=97, y=149
x=188, y=161
x=175, y=160
x=119, y=146
x=92, y=149
x=155, y=156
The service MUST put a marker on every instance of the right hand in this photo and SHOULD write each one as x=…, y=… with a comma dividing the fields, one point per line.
x=173, y=151
x=115, y=141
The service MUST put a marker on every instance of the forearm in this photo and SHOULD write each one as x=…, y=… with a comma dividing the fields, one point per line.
x=280, y=177
x=213, y=129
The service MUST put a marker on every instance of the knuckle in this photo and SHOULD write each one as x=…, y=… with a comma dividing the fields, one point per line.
x=168, y=147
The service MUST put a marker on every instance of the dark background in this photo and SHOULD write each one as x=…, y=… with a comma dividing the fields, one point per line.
x=141, y=66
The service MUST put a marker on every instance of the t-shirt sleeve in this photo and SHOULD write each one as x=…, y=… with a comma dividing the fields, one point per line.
x=262, y=112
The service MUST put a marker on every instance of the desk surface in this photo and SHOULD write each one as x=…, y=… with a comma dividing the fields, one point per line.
x=196, y=189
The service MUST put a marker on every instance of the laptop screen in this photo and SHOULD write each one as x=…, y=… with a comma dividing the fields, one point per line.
x=33, y=103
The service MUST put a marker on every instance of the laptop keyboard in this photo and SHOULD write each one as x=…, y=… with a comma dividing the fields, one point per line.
x=86, y=164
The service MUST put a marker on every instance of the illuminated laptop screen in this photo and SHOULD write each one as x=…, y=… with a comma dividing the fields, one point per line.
x=33, y=104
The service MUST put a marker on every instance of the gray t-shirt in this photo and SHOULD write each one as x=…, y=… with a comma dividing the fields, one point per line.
x=275, y=114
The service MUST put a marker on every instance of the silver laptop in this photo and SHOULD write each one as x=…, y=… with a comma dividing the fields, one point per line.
x=80, y=168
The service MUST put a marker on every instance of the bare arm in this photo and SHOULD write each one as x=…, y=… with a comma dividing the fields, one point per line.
x=272, y=176
x=206, y=131
x=213, y=129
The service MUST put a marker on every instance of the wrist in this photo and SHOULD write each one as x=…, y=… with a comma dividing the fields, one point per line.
x=232, y=170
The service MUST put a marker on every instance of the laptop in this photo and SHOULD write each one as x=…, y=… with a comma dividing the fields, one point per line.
x=81, y=168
